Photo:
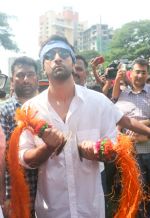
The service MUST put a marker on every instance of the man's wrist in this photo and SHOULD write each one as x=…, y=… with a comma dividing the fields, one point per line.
x=54, y=151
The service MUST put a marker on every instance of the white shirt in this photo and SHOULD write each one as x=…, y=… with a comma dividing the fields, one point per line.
x=67, y=187
x=1, y=213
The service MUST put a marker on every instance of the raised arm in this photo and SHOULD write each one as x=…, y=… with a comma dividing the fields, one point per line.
x=116, y=88
x=95, y=63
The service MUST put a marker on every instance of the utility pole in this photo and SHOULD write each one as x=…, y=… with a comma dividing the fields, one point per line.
x=100, y=35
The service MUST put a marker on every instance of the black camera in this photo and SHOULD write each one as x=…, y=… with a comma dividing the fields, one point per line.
x=3, y=80
x=2, y=94
x=112, y=72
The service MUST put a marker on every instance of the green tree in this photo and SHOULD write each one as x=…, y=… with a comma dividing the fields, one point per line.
x=131, y=41
x=88, y=55
x=6, y=35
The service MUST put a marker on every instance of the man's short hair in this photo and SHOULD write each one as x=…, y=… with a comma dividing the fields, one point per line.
x=79, y=57
x=140, y=61
x=24, y=60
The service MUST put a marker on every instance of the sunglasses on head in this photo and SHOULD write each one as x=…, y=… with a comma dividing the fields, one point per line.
x=62, y=52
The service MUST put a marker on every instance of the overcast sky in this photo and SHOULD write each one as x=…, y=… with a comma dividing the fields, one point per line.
x=25, y=27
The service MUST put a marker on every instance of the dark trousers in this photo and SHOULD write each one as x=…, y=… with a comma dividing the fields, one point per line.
x=111, y=186
x=144, y=163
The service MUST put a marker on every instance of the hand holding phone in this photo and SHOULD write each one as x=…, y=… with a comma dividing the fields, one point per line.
x=98, y=60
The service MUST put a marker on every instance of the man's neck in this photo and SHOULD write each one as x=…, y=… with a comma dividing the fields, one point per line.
x=22, y=100
x=61, y=91
x=137, y=89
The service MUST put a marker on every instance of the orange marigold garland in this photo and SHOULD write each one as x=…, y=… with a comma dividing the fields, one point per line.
x=20, y=197
x=132, y=192
x=2, y=164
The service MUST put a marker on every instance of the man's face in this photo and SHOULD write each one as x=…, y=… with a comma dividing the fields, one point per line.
x=58, y=64
x=139, y=75
x=24, y=81
x=80, y=73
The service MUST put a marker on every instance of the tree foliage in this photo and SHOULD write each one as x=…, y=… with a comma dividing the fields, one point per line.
x=131, y=41
x=88, y=55
x=6, y=35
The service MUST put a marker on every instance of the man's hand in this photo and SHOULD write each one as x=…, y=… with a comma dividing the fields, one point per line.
x=53, y=138
x=137, y=138
x=97, y=61
x=120, y=75
x=54, y=142
x=87, y=150
x=145, y=122
x=6, y=208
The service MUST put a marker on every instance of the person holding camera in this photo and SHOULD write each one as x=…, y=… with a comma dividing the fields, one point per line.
x=120, y=83
x=105, y=80
x=134, y=102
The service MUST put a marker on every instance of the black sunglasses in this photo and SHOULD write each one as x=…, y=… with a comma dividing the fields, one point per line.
x=62, y=52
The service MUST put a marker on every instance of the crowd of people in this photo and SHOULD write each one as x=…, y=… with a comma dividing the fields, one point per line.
x=65, y=177
x=130, y=93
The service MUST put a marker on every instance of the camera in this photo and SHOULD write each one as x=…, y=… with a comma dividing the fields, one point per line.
x=112, y=72
x=126, y=63
x=3, y=80
x=2, y=94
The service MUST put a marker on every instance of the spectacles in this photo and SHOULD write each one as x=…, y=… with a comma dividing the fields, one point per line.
x=22, y=75
x=143, y=72
x=63, y=53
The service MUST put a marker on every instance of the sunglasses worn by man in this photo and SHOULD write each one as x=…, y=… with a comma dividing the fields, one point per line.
x=62, y=52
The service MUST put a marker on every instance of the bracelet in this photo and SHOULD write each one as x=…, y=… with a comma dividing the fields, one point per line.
x=40, y=128
x=58, y=149
x=103, y=149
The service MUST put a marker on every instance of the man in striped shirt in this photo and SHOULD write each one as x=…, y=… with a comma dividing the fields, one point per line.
x=134, y=102
x=24, y=82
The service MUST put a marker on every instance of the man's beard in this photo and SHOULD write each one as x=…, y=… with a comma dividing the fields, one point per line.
x=26, y=91
x=60, y=73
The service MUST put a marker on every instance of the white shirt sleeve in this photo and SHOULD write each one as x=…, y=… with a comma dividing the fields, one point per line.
x=111, y=117
x=1, y=213
x=27, y=141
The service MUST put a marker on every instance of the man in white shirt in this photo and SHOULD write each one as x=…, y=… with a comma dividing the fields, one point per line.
x=68, y=187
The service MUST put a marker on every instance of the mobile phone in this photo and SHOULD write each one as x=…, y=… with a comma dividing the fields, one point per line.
x=98, y=60
x=123, y=67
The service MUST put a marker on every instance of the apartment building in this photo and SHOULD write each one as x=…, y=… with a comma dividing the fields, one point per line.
x=97, y=38
x=66, y=23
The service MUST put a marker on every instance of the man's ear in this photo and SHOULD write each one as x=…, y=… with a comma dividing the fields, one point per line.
x=11, y=83
x=73, y=67
x=43, y=69
x=87, y=72
x=11, y=87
